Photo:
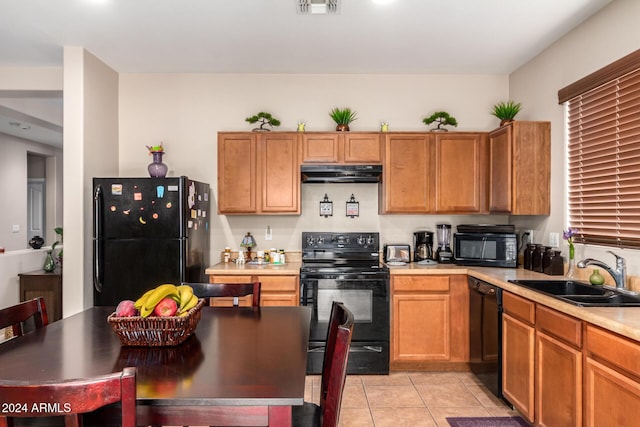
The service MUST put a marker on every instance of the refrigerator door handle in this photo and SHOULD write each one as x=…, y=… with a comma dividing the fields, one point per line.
x=97, y=209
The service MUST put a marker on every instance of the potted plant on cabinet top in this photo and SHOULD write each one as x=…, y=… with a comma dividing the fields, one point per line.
x=442, y=118
x=506, y=111
x=342, y=117
x=264, y=119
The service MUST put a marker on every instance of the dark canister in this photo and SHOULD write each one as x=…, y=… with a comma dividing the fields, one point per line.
x=536, y=260
x=528, y=255
x=556, y=263
x=547, y=259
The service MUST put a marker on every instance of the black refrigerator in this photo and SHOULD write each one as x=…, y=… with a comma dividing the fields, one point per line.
x=147, y=231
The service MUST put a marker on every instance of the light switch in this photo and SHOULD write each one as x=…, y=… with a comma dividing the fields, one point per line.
x=554, y=239
x=15, y=228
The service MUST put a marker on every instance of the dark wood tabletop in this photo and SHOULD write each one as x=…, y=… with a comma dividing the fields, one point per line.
x=236, y=357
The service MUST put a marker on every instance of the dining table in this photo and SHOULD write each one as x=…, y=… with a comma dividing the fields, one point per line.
x=241, y=366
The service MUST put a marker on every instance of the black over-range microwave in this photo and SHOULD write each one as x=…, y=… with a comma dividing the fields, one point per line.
x=487, y=245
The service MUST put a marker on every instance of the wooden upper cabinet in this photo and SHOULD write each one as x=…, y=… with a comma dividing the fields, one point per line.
x=406, y=182
x=237, y=168
x=461, y=172
x=320, y=148
x=341, y=147
x=520, y=168
x=362, y=148
x=279, y=173
x=258, y=173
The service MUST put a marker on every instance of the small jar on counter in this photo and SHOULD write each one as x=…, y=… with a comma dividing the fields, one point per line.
x=227, y=254
x=282, y=256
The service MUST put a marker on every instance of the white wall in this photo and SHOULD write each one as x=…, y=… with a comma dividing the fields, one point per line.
x=185, y=112
x=17, y=259
x=606, y=37
x=90, y=148
x=13, y=187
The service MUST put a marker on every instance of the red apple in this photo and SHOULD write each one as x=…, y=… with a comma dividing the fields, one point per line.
x=126, y=308
x=166, y=307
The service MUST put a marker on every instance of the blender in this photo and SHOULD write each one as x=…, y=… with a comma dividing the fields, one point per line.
x=444, y=255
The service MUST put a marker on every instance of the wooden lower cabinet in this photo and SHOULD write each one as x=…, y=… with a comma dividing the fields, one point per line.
x=518, y=353
x=47, y=285
x=429, y=320
x=275, y=290
x=558, y=367
x=612, y=379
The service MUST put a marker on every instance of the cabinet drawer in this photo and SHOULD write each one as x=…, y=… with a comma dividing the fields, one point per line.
x=278, y=283
x=420, y=283
x=232, y=278
x=618, y=351
x=519, y=307
x=560, y=325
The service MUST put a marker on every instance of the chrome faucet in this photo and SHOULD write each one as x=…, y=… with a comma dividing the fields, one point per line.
x=619, y=274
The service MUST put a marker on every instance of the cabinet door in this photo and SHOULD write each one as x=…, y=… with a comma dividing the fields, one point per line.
x=518, y=364
x=531, y=168
x=406, y=183
x=558, y=383
x=237, y=173
x=500, y=170
x=362, y=148
x=420, y=327
x=460, y=172
x=611, y=398
x=280, y=173
x=320, y=148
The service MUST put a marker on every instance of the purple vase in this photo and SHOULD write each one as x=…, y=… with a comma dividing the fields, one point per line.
x=157, y=169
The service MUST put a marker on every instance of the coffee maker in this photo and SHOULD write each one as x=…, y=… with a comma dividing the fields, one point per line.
x=444, y=255
x=423, y=246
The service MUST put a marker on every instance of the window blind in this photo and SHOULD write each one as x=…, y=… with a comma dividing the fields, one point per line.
x=604, y=162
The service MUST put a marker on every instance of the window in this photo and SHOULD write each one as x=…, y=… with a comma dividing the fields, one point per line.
x=604, y=154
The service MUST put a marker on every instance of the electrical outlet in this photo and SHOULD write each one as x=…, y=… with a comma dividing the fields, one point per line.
x=554, y=239
x=530, y=235
x=267, y=233
x=15, y=228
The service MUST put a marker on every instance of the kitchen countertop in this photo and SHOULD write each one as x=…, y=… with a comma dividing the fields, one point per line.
x=290, y=268
x=622, y=320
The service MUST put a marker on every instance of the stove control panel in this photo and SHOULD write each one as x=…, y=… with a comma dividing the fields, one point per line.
x=353, y=241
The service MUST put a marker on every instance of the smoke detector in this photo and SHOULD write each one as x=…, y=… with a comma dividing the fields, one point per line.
x=317, y=7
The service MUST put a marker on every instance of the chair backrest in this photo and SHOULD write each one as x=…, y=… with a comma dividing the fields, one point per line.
x=334, y=368
x=235, y=290
x=15, y=315
x=70, y=398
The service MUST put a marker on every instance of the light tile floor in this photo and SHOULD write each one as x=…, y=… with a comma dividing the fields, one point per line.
x=412, y=399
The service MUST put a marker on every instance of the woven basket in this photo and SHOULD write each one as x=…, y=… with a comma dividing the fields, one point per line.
x=155, y=331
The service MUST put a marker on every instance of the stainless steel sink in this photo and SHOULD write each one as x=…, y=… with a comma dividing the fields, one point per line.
x=561, y=287
x=581, y=293
x=613, y=300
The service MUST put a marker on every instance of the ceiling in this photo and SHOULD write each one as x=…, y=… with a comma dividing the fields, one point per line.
x=270, y=36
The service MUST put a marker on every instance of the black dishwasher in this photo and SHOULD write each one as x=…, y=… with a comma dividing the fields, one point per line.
x=485, y=334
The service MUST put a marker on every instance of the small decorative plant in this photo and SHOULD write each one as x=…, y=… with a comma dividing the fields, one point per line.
x=265, y=119
x=154, y=149
x=342, y=117
x=58, y=231
x=506, y=111
x=442, y=118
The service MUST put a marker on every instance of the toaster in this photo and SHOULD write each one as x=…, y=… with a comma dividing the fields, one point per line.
x=396, y=253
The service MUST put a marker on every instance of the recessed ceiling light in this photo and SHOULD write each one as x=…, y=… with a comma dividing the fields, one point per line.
x=317, y=7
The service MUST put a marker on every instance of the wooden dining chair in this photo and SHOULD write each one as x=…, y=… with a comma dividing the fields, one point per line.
x=235, y=290
x=69, y=399
x=334, y=373
x=16, y=315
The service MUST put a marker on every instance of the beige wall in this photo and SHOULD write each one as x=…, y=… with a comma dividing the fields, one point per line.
x=185, y=112
x=609, y=35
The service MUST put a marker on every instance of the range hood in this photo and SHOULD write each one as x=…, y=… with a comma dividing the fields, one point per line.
x=316, y=174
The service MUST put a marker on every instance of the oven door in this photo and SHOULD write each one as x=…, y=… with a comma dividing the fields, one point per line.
x=367, y=297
